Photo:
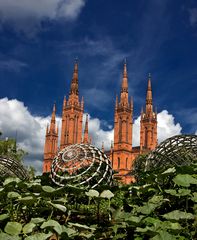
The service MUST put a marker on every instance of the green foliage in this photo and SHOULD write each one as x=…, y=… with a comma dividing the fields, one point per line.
x=139, y=166
x=8, y=148
x=161, y=205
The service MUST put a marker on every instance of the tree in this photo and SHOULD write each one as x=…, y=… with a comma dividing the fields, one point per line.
x=139, y=166
x=9, y=148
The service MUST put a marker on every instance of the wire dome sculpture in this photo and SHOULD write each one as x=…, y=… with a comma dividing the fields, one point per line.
x=81, y=165
x=12, y=168
x=179, y=150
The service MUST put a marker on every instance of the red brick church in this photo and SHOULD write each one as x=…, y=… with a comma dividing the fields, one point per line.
x=122, y=154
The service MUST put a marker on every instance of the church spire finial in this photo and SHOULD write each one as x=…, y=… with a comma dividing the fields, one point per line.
x=125, y=78
x=74, y=83
x=53, y=120
x=86, y=137
x=124, y=88
x=53, y=113
x=149, y=99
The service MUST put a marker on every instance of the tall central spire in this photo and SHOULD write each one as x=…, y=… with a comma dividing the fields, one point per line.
x=52, y=126
x=149, y=99
x=124, y=88
x=86, y=137
x=125, y=79
x=74, y=89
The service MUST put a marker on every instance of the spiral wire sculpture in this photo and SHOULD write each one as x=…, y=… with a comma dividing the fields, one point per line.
x=81, y=164
x=12, y=168
x=179, y=150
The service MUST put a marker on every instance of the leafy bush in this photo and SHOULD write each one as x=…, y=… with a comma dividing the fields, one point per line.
x=161, y=205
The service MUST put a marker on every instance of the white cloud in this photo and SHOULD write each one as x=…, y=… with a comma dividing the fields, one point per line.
x=31, y=129
x=26, y=14
x=97, y=134
x=166, y=127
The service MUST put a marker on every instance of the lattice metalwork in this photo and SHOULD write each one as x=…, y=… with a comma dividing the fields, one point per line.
x=12, y=168
x=81, y=164
x=178, y=150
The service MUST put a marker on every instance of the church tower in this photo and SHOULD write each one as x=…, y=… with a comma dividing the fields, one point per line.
x=148, y=123
x=123, y=124
x=72, y=114
x=51, y=143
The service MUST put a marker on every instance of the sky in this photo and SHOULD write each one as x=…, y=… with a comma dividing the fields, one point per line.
x=40, y=39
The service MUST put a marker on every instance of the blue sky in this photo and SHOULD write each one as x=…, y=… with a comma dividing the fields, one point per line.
x=39, y=41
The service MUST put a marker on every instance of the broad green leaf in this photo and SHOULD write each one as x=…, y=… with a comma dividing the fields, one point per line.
x=156, y=199
x=151, y=220
x=147, y=209
x=29, y=200
x=184, y=180
x=85, y=235
x=177, y=215
x=69, y=231
x=59, y=206
x=134, y=219
x=11, y=180
x=54, y=224
x=13, y=228
x=144, y=230
x=48, y=189
x=171, y=191
x=13, y=195
x=77, y=225
x=92, y=193
x=28, y=228
x=61, y=200
x=5, y=236
x=39, y=236
x=3, y=216
x=169, y=170
x=37, y=220
x=194, y=197
x=107, y=194
x=181, y=192
x=163, y=235
x=170, y=225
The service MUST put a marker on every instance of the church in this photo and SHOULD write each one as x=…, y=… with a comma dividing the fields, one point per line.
x=122, y=153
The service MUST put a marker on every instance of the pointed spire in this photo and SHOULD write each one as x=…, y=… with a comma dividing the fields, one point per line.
x=125, y=78
x=131, y=103
x=52, y=126
x=149, y=95
x=53, y=113
x=116, y=105
x=124, y=88
x=74, y=83
x=86, y=137
x=142, y=110
x=64, y=102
